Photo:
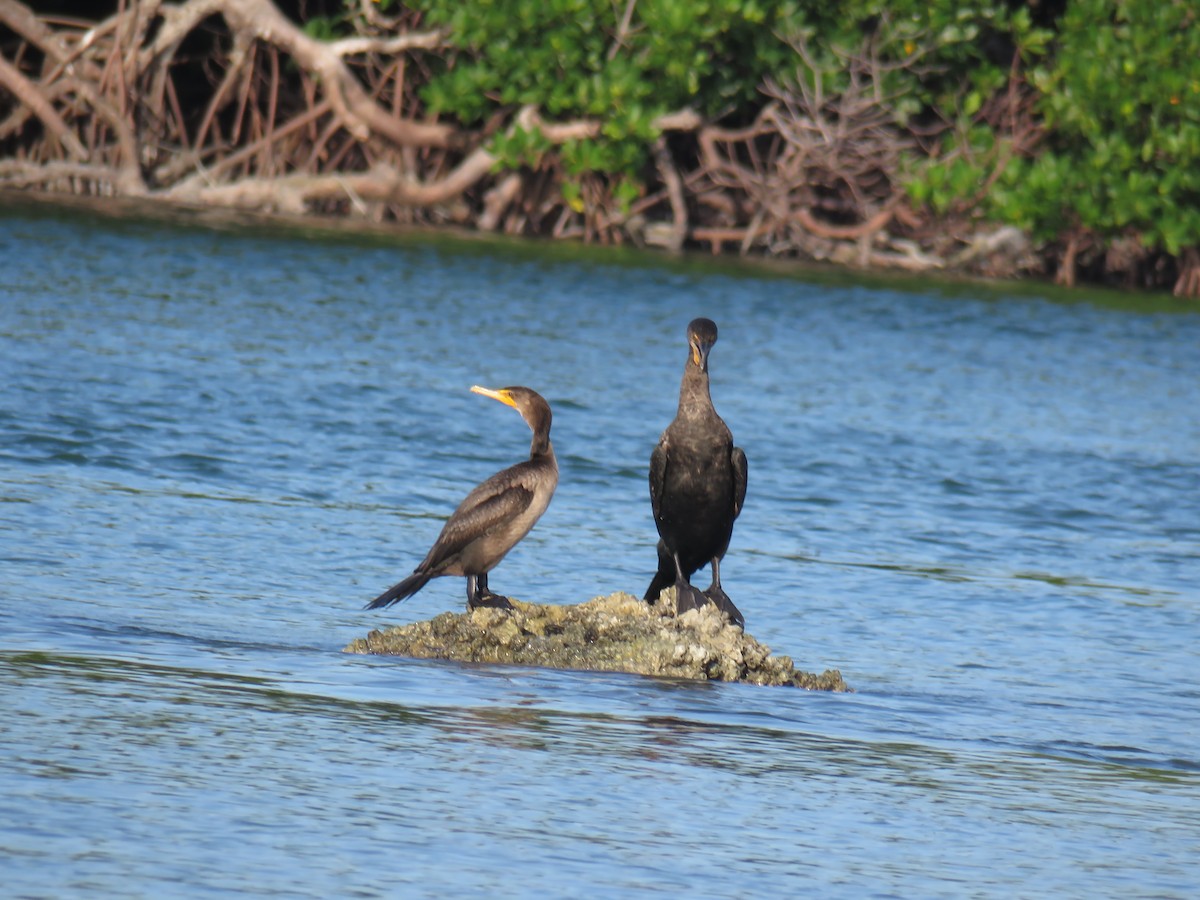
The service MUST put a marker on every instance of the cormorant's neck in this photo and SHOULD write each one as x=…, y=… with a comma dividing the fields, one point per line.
x=693, y=391
x=539, y=419
x=540, y=447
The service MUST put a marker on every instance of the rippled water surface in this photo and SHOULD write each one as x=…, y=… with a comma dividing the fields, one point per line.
x=982, y=506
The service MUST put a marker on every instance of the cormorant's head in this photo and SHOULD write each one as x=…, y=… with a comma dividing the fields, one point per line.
x=702, y=334
x=529, y=403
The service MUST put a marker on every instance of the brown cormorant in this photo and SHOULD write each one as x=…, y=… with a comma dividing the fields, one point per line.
x=495, y=516
x=697, y=485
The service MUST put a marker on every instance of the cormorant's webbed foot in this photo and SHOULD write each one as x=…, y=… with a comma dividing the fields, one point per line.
x=480, y=596
x=721, y=600
x=489, y=601
x=688, y=597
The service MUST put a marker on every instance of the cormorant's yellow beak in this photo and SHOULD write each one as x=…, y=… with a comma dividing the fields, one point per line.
x=504, y=397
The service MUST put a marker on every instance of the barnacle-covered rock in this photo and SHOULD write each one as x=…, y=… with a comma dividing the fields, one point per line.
x=617, y=633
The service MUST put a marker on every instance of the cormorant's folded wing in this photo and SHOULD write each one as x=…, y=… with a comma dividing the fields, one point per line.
x=738, y=458
x=658, y=476
x=481, y=512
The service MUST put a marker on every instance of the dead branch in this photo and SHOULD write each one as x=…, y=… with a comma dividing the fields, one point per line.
x=622, y=30
x=1188, y=283
x=136, y=47
x=429, y=40
x=530, y=119
x=670, y=177
x=718, y=237
x=844, y=232
x=24, y=23
x=294, y=192
x=233, y=71
x=1067, y=266
x=28, y=94
x=360, y=113
x=231, y=162
x=261, y=20
x=497, y=200
x=21, y=173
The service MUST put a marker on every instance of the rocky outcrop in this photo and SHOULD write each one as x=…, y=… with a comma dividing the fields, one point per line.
x=617, y=633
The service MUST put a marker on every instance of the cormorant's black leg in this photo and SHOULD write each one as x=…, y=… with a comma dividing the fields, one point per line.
x=483, y=594
x=717, y=595
x=686, y=596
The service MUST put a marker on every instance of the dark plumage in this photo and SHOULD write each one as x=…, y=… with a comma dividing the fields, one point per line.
x=697, y=486
x=495, y=516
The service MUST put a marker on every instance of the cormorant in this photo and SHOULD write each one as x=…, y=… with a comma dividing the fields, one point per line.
x=697, y=486
x=494, y=517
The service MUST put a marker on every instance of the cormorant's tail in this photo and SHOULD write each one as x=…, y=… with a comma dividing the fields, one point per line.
x=402, y=591
x=660, y=582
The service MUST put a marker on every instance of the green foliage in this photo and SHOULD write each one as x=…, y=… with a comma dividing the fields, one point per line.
x=521, y=147
x=1122, y=103
x=1117, y=83
x=958, y=54
x=572, y=59
x=965, y=55
x=325, y=28
x=945, y=183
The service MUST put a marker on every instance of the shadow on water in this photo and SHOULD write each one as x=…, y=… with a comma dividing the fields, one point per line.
x=741, y=743
x=968, y=575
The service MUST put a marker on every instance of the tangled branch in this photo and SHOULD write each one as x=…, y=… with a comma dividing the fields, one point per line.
x=107, y=100
x=816, y=168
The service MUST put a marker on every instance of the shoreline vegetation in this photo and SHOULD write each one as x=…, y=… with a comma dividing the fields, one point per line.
x=1057, y=139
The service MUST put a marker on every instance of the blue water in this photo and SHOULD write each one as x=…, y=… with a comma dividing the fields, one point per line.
x=981, y=504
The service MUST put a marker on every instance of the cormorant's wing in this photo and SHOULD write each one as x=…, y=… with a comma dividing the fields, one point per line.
x=738, y=458
x=482, y=511
x=658, y=476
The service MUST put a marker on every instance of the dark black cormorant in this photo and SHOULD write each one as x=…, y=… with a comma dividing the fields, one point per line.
x=494, y=516
x=697, y=485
